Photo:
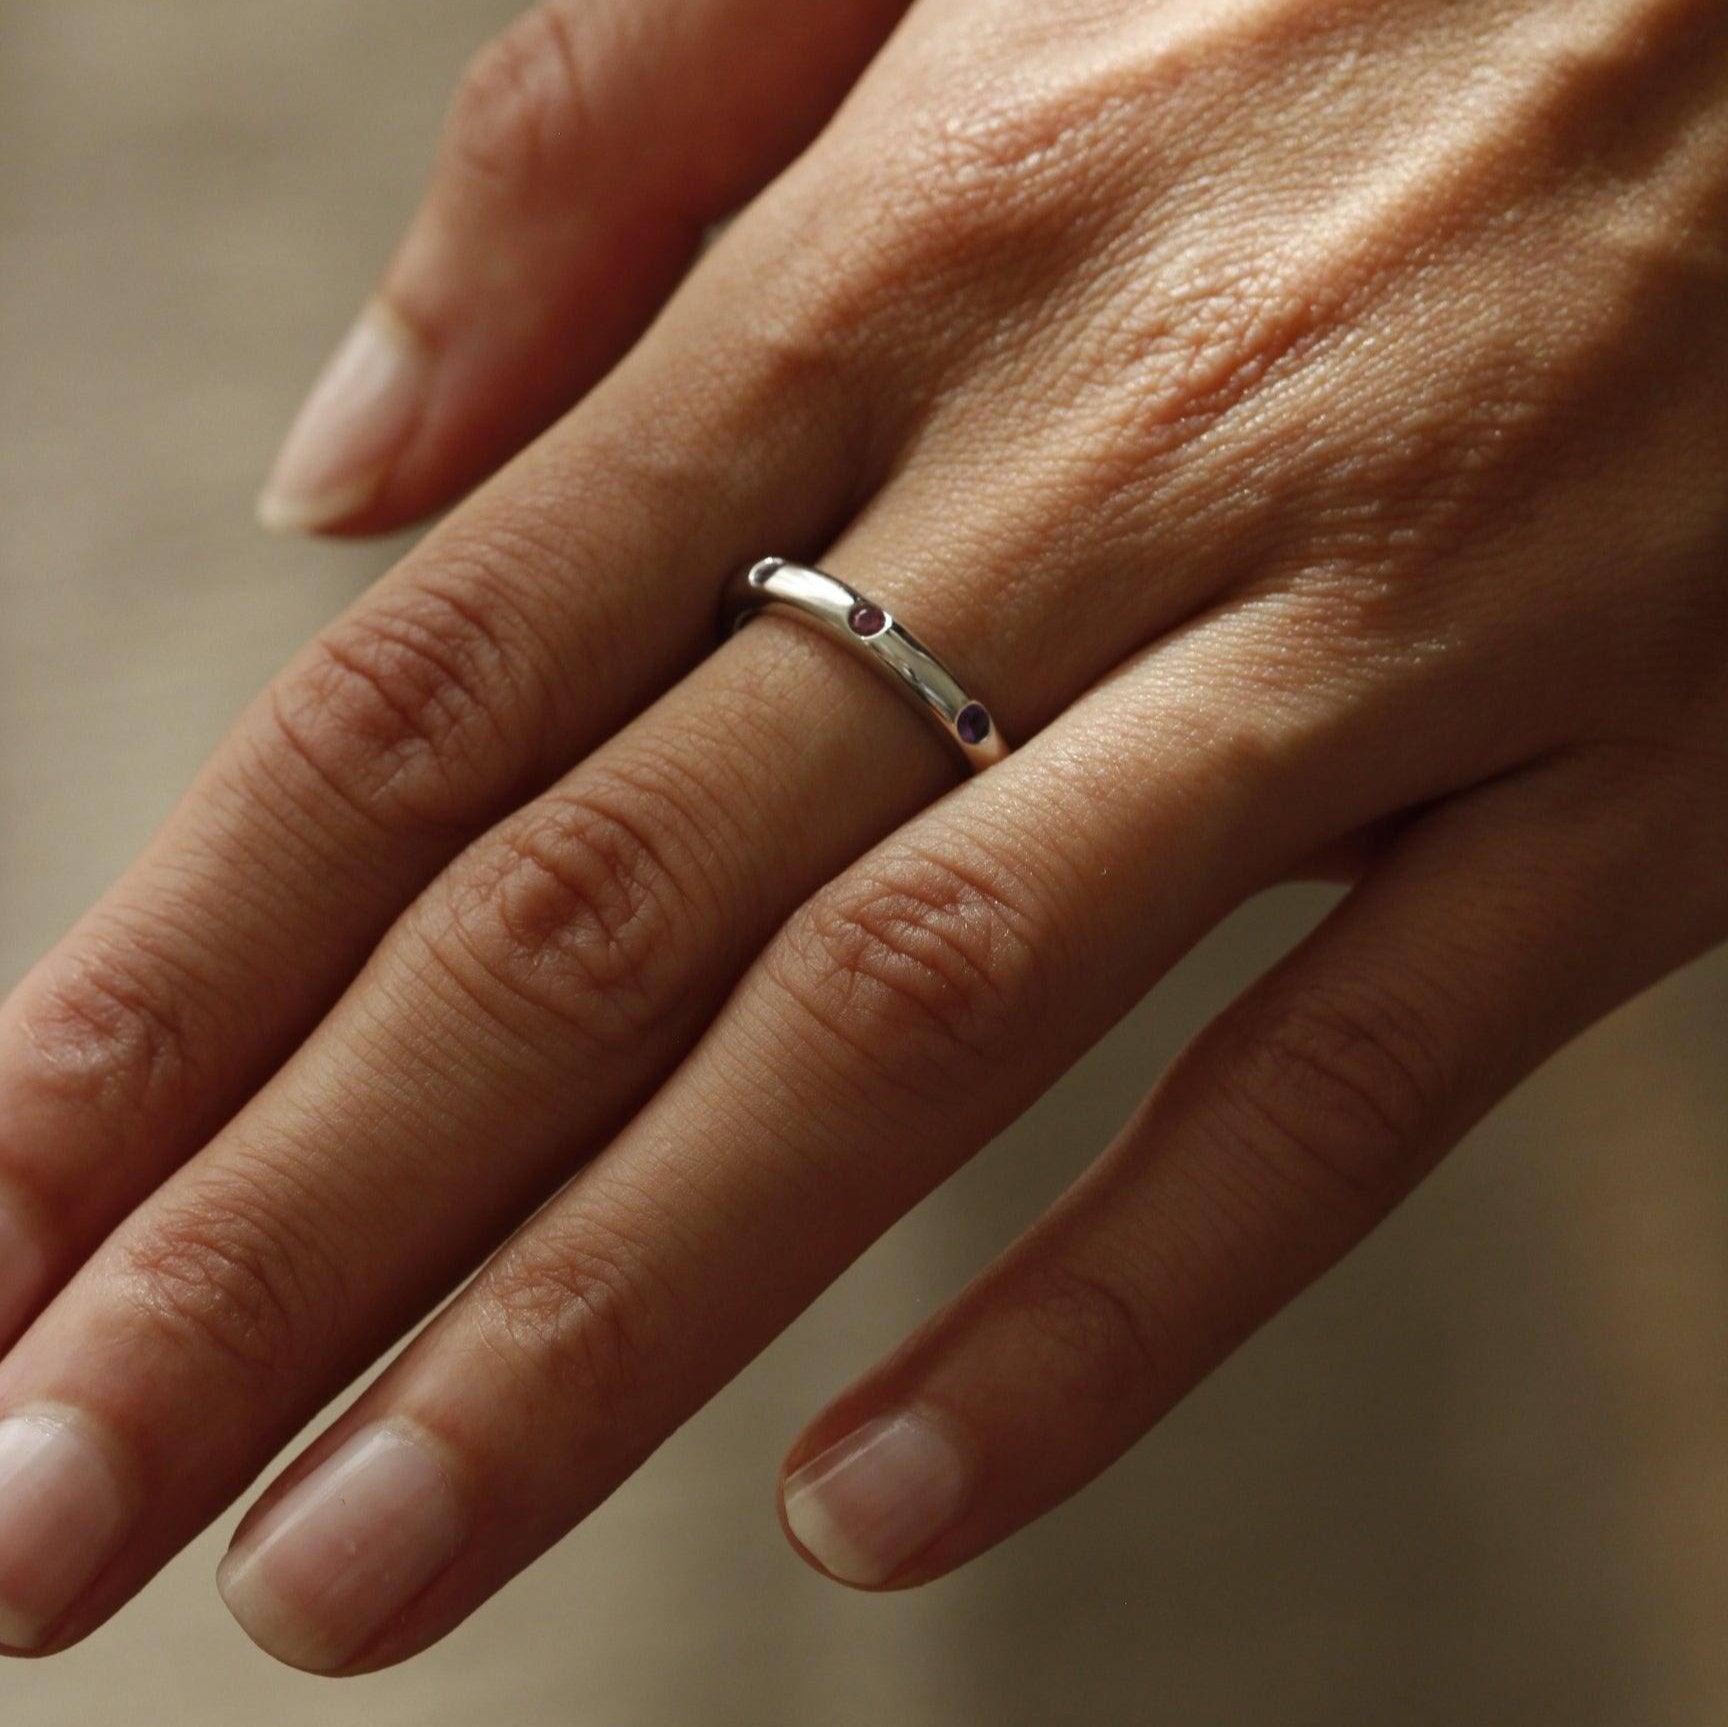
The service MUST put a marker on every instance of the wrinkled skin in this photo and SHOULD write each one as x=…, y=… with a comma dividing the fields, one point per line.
x=1306, y=420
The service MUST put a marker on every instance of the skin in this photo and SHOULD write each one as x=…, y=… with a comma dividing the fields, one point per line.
x=1307, y=422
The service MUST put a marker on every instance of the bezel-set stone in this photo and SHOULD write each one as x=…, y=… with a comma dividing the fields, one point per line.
x=972, y=723
x=827, y=601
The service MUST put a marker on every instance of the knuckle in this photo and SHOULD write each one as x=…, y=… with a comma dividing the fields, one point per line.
x=918, y=965
x=110, y=1032
x=578, y=1315
x=1088, y=1334
x=566, y=911
x=521, y=106
x=1350, y=1084
x=401, y=708
x=1148, y=378
x=990, y=203
x=1064, y=132
x=229, y=1278
x=824, y=325
x=1011, y=179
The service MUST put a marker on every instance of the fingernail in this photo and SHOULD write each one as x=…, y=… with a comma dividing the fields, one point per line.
x=345, y=1551
x=61, y=1512
x=24, y=1271
x=356, y=422
x=877, y=1498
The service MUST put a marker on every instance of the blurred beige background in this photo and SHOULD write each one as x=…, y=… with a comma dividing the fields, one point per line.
x=1481, y=1475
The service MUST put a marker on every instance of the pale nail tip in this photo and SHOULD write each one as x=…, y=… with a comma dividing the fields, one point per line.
x=824, y=1540
x=353, y=426
x=281, y=513
x=382, y=315
x=275, y=1627
x=229, y=1571
x=19, y=1631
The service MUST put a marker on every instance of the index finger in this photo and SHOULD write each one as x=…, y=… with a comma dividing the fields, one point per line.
x=905, y=1014
x=542, y=616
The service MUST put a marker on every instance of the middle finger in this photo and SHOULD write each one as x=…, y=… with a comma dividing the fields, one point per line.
x=536, y=622
x=513, y=1020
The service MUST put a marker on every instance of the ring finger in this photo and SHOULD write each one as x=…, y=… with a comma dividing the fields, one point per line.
x=544, y=615
x=905, y=1014
x=520, y=1011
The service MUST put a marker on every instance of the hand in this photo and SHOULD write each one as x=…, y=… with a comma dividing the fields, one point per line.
x=1306, y=424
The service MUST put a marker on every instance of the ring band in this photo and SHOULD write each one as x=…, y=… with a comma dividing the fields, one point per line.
x=844, y=614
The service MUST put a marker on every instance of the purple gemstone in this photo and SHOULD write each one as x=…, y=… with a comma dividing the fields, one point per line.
x=972, y=723
x=867, y=620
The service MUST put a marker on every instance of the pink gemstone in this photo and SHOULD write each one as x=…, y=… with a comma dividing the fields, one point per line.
x=867, y=620
x=972, y=723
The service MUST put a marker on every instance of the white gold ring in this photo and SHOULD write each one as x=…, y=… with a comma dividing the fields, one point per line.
x=871, y=633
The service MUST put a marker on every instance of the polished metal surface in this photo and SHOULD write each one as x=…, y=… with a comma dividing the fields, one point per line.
x=1475, y=1476
x=872, y=633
